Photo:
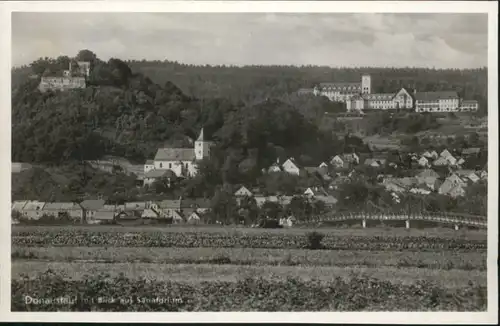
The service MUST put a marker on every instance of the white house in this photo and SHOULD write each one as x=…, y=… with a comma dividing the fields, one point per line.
x=469, y=174
x=337, y=161
x=423, y=161
x=291, y=167
x=149, y=165
x=315, y=191
x=242, y=192
x=444, y=101
x=194, y=218
x=441, y=161
x=323, y=165
x=156, y=174
x=445, y=153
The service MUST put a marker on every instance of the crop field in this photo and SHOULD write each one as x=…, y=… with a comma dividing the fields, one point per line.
x=109, y=268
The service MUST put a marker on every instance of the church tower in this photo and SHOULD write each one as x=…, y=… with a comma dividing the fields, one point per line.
x=201, y=147
x=366, y=84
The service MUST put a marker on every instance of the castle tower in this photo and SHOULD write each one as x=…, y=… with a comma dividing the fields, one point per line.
x=366, y=84
x=201, y=147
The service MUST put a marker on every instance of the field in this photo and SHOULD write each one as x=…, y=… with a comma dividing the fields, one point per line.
x=109, y=268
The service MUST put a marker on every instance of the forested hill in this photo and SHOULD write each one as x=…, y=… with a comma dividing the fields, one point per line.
x=127, y=114
x=250, y=83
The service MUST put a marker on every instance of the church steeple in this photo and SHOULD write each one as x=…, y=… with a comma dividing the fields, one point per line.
x=200, y=138
x=201, y=147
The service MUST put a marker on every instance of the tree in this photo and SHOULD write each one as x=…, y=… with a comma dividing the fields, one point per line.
x=86, y=55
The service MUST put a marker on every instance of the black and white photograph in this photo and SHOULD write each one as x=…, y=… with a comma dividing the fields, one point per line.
x=252, y=161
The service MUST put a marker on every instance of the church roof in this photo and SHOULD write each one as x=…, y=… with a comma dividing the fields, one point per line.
x=175, y=154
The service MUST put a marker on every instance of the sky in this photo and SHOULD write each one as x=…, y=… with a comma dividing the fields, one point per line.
x=332, y=39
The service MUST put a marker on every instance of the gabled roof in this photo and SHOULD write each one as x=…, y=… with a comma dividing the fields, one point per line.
x=92, y=204
x=135, y=206
x=328, y=199
x=18, y=205
x=175, y=154
x=150, y=162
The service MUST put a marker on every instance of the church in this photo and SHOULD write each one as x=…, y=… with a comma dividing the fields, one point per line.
x=181, y=161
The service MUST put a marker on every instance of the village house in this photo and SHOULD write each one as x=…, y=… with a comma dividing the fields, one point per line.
x=423, y=162
x=33, y=210
x=483, y=175
x=150, y=213
x=288, y=221
x=441, y=161
x=148, y=166
x=449, y=185
x=469, y=174
x=328, y=200
x=154, y=175
x=243, y=192
x=17, y=206
x=375, y=162
x=177, y=217
x=194, y=218
x=168, y=207
x=421, y=189
x=73, y=210
x=315, y=191
x=323, y=165
x=91, y=206
x=291, y=167
x=102, y=216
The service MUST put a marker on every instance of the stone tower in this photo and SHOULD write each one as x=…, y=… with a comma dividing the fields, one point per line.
x=201, y=147
x=366, y=84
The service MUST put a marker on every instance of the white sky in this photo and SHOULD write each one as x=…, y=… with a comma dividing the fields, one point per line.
x=334, y=39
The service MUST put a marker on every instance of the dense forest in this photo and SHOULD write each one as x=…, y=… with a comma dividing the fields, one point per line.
x=254, y=83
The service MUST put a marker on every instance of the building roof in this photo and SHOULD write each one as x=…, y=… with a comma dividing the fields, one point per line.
x=469, y=102
x=61, y=206
x=158, y=173
x=104, y=215
x=107, y=208
x=379, y=96
x=370, y=161
x=18, y=205
x=150, y=162
x=311, y=169
x=341, y=85
x=175, y=154
x=428, y=173
x=305, y=90
x=92, y=204
x=329, y=200
x=170, y=204
x=471, y=150
x=135, y=206
x=33, y=205
x=434, y=96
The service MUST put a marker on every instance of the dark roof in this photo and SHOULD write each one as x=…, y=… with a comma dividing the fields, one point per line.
x=104, y=215
x=434, y=96
x=469, y=102
x=172, y=204
x=158, y=173
x=175, y=154
x=356, y=85
x=92, y=204
x=149, y=162
x=471, y=150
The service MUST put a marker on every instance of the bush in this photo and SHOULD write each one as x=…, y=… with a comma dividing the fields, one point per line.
x=314, y=238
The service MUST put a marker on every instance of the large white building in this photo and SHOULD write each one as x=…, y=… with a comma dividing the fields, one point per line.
x=358, y=96
x=342, y=92
x=381, y=101
x=181, y=161
x=446, y=101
